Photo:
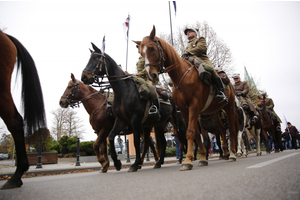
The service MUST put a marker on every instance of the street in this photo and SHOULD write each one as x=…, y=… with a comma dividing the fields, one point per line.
x=272, y=176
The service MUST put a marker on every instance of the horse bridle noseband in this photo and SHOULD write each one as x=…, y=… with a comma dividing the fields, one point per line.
x=161, y=59
x=70, y=98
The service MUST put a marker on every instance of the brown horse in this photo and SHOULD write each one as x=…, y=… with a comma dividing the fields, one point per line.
x=95, y=103
x=32, y=98
x=269, y=125
x=191, y=95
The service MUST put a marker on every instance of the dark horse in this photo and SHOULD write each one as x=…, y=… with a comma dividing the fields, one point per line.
x=95, y=103
x=269, y=125
x=191, y=95
x=32, y=99
x=128, y=107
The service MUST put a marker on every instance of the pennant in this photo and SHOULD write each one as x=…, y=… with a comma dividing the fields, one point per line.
x=174, y=4
x=103, y=44
x=126, y=27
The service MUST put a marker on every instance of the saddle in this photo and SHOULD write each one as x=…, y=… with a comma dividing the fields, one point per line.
x=163, y=93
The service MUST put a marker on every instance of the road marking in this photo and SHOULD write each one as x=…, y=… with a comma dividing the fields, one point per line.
x=271, y=161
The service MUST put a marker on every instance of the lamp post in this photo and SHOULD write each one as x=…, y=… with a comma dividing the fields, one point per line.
x=77, y=154
x=39, y=164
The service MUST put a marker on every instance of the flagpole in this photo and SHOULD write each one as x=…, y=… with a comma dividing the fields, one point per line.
x=127, y=44
x=171, y=23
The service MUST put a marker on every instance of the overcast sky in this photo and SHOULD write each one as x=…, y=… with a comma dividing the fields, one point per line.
x=263, y=36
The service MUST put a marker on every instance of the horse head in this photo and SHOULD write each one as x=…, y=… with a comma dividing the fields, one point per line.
x=94, y=67
x=72, y=94
x=150, y=49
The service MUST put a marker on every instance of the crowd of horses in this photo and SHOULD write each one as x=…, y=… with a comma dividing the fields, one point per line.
x=191, y=108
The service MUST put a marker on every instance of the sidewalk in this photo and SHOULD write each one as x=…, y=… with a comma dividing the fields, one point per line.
x=9, y=168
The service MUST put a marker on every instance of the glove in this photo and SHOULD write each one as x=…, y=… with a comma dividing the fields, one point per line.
x=186, y=54
x=243, y=95
x=238, y=94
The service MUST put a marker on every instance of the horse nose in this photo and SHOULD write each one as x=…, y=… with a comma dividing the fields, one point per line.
x=84, y=79
x=154, y=76
x=62, y=104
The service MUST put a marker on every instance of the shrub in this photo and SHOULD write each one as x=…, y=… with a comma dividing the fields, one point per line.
x=170, y=152
x=87, y=148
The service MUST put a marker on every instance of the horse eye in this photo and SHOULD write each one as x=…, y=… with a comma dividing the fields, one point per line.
x=152, y=48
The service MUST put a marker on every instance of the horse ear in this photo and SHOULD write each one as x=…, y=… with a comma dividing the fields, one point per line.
x=91, y=50
x=73, y=77
x=96, y=48
x=152, y=34
x=137, y=42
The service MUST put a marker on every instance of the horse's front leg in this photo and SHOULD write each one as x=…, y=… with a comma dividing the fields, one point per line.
x=118, y=126
x=190, y=136
x=137, y=130
x=100, y=149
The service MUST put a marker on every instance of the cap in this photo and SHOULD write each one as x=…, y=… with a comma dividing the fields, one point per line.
x=289, y=123
x=189, y=29
x=236, y=75
x=264, y=93
x=219, y=69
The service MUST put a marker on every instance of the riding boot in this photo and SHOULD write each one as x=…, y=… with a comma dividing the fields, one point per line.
x=154, y=109
x=221, y=96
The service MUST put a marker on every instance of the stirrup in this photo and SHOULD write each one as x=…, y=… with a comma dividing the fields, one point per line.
x=221, y=97
x=153, y=110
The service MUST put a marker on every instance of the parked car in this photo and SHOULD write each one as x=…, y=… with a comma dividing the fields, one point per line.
x=4, y=156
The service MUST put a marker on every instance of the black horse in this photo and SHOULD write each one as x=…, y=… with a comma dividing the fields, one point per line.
x=128, y=107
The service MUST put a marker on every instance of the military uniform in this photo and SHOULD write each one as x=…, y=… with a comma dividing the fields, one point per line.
x=243, y=88
x=270, y=105
x=140, y=65
x=197, y=47
x=196, y=53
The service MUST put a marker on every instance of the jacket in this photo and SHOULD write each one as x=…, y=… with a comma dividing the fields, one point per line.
x=198, y=47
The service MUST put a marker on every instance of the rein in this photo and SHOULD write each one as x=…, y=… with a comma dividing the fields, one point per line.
x=161, y=58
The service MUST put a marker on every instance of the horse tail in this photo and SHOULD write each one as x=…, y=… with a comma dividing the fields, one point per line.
x=32, y=96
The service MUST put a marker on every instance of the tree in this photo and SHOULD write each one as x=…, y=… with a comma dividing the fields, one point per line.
x=5, y=142
x=66, y=122
x=217, y=50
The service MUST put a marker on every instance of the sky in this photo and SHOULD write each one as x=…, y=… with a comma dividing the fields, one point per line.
x=264, y=36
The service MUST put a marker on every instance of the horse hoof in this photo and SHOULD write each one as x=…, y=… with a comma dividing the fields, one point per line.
x=12, y=184
x=258, y=154
x=238, y=154
x=132, y=169
x=244, y=156
x=103, y=171
x=157, y=165
x=118, y=166
x=231, y=159
x=185, y=167
x=202, y=163
x=277, y=151
x=226, y=157
x=140, y=167
x=221, y=157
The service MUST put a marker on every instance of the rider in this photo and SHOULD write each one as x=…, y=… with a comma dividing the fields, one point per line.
x=140, y=65
x=270, y=106
x=242, y=89
x=195, y=52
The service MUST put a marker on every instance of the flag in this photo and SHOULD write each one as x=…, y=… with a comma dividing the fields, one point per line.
x=103, y=44
x=126, y=27
x=174, y=4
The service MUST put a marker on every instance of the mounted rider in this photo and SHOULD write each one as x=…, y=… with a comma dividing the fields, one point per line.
x=270, y=106
x=195, y=52
x=241, y=90
x=142, y=73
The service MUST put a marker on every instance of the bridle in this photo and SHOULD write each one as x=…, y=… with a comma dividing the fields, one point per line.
x=76, y=91
x=160, y=61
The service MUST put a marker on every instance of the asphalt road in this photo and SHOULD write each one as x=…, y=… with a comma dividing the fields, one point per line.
x=272, y=176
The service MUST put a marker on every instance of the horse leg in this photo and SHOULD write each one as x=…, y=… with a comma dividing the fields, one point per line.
x=14, y=123
x=191, y=131
x=195, y=150
x=233, y=128
x=203, y=152
x=118, y=126
x=145, y=145
x=152, y=147
x=240, y=141
x=100, y=149
x=218, y=134
x=137, y=130
x=159, y=133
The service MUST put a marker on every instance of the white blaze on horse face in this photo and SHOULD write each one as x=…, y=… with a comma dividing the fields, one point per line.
x=146, y=61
